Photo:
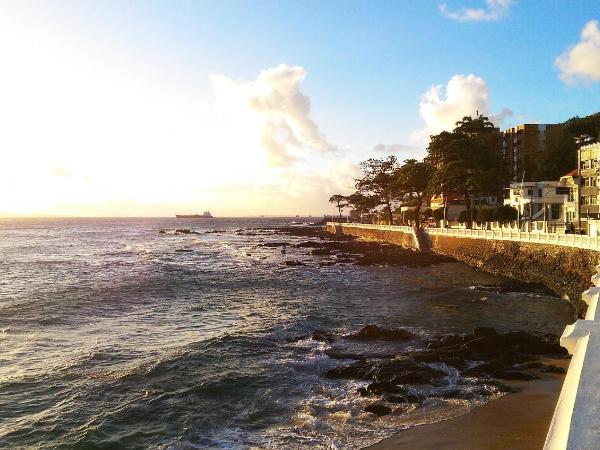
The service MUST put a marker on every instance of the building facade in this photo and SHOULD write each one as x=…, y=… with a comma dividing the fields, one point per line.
x=590, y=194
x=523, y=148
x=537, y=201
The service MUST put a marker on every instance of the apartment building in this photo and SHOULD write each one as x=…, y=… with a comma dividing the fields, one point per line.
x=523, y=148
x=590, y=193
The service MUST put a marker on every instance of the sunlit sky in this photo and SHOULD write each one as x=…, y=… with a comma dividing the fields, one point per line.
x=143, y=108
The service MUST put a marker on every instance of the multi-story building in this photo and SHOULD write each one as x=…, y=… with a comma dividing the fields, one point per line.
x=523, y=148
x=536, y=200
x=590, y=193
x=569, y=186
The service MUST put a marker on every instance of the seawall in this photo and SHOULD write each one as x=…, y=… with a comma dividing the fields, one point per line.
x=565, y=270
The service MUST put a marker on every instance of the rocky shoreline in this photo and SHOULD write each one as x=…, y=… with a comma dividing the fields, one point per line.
x=454, y=366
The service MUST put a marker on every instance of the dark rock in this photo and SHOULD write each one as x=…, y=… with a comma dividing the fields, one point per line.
x=484, y=332
x=378, y=409
x=320, y=252
x=186, y=250
x=309, y=244
x=275, y=244
x=294, y=263
x=324, y=336
x=549, y=368
x=361, y=370
x=373, y=332
x=185, y=231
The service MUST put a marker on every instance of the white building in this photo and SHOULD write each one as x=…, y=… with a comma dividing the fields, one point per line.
x=537, y=200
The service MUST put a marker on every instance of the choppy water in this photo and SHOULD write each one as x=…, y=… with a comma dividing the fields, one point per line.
x=111, y=338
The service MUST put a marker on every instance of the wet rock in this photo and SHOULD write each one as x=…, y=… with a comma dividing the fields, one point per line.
x=294, y=263
x=361, y=370
x=215, y=232
x=321, y=252
x=324, y=336
x=184, y=250
x=484, y=332
x=373, y=332
x=309, y=244
x=550, y=368
x=185, y=231
x=379, y=409
x=275, y=244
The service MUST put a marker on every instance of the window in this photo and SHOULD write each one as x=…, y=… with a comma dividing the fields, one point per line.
x=540, y=193
x=530, y=192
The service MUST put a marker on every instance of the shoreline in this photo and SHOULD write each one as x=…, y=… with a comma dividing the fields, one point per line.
x=519, y=421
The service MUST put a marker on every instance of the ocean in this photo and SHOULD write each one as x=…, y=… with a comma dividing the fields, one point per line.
x=122, y=333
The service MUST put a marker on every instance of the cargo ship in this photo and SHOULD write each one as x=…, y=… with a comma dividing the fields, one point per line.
x=205, y=215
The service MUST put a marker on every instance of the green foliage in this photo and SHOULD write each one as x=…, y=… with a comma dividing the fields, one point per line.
x=438, y=214
x=465, y=216
x=468, y=161
x=411, y=184
x=486, y=215
x=506, y=213
x=378, y=181
x=340, y=202
x=363, y=204
x=503, y=214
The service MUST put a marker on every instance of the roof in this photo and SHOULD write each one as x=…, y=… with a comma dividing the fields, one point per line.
x=572, y=173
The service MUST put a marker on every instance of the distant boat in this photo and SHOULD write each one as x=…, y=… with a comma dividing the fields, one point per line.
x=205, y=215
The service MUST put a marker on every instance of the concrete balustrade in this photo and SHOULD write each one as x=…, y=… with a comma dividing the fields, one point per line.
x=576, y=421
x=504, y=234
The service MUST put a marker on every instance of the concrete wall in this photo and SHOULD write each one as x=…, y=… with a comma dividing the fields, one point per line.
x=565, y=270
x=575, y=423
x=403, y=236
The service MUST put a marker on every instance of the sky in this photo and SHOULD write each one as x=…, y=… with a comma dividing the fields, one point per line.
x=152, y=108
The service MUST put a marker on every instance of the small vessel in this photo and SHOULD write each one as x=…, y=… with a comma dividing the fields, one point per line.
x=205, y=215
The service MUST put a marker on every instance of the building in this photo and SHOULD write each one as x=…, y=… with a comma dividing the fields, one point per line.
x=523, y=147
x=570, y=186
x=590, y=198
x=537, y=201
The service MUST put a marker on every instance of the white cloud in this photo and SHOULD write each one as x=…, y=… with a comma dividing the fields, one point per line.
x=277, y=109
x=582, y=61
x=441, y=108
x=495, y=10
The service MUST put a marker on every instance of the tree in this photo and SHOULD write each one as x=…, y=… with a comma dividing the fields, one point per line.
x=362, y=203
x=506, y=213
x=378, y=181
x=340, y=202
x=411, y=184
x=468, y=161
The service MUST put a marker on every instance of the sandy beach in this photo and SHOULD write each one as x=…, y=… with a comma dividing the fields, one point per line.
x=517, y=421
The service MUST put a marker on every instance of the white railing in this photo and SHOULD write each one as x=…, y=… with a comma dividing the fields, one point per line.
x=575, y=423
x=567, y=240
x=370, y=226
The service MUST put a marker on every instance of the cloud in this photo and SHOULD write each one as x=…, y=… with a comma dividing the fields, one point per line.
x=397, y=148
x=495, y=10
x=464, y=95
x=277, y=109
x=61, y=171
x=582, y=61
